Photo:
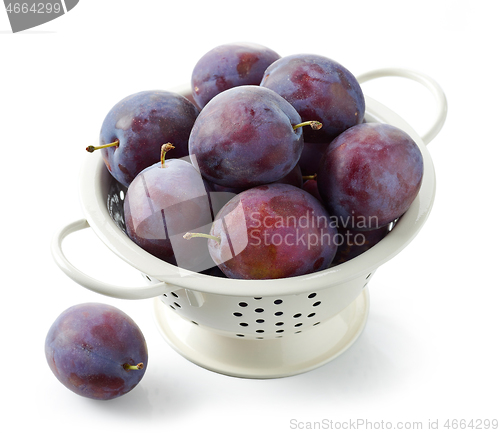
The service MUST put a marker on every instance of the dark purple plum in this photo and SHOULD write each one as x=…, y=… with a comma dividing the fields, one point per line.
x=140, y=124
x=272, y=231
x=162, y=203
x=96, y=351
x=370, y=175
x=246, y=136
x=351, y=243
x=228, y=66
x=319, y=88
x=311, y=157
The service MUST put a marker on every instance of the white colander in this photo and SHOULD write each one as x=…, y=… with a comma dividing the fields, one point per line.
x=264, y=328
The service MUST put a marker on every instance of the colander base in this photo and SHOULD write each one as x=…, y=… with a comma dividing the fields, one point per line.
x=264, y=359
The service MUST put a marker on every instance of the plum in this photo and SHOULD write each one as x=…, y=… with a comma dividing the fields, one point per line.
x=228, y=66
x=96, y=351
x=370, y=175
x=246, y=136
x=271, y=231
x=163, y=202
x=318, y=88
x=136, y=127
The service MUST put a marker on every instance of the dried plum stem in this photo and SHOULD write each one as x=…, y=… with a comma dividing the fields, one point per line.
x=201, y=235
x=314, y=124
x=164, y=149
x=139, y=366
x=103, y=146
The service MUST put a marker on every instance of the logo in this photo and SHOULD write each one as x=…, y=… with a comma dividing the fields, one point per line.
x=27, y=14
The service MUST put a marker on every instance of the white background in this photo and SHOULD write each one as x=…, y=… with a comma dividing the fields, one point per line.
x=430, y=350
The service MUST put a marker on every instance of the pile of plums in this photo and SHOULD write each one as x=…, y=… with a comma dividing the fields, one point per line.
x=267, y=169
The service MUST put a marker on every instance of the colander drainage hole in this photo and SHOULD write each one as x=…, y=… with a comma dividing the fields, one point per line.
x=259, y=310
x=311, y=315
x=296, y=316
x=278, y=301
x=298, y=324
x=243, y=304
x=279, y=331
x=237, y=314
x=260, y=331
x=175, y=295
x=316, y=304
x=278, y=313
x=177, y=305
x=279, y=323
x=260, y=320
x=312, y=295
x=243, y=324
x=239, y=335
x=317, y=323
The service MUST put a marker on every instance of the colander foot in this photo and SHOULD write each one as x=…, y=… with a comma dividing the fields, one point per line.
x=264, y=359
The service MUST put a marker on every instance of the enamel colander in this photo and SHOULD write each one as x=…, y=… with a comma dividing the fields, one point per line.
x=250, y=328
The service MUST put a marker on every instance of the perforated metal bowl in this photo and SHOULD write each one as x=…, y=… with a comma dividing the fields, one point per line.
x=248, y=328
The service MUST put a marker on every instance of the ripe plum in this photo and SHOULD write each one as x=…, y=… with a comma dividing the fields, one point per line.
x=272, y=231
x=370, y=175
x=319, y=88
x=138, y=125
x=96, y=351
x=246, y=136
x=163, y=202
x=228, y=66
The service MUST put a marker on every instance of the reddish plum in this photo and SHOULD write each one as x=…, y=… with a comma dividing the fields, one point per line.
x=246, y=136
x=272, y=231
x=96, y=351
x=139, y=125
x=228, y=66
x=319, y=88
x=370, y=175
x=162, y=203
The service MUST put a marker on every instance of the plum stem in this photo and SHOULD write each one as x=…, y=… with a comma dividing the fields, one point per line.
x=314, y=124
x=139, y=366
x=164, y=149
x=310, y=177
x=201, y=235
x=103, y=146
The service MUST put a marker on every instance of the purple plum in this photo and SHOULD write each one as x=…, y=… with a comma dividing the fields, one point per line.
x=272, y=231
x=246, y=136
x=318, y=88
x=228, y=66
x=136, y=128
x=96, y=351
x=370, y=175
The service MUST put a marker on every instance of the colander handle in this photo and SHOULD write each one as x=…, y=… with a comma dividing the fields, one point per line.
x=432, y=85
x=143, y=292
